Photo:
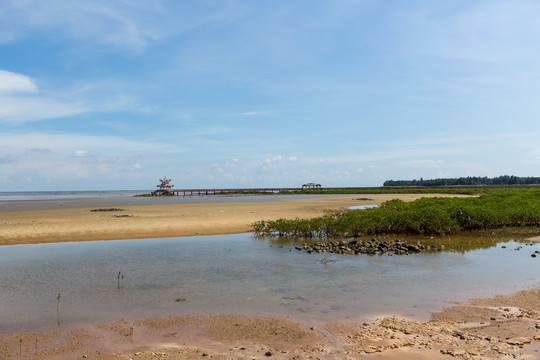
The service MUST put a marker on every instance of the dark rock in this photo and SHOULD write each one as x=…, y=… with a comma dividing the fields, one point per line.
x=370, y=247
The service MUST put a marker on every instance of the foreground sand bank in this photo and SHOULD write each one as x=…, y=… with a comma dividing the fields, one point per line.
x=167, y=219
x=503, y=327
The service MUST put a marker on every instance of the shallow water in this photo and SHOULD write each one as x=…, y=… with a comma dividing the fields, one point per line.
x=240, y=274
x=362, y=207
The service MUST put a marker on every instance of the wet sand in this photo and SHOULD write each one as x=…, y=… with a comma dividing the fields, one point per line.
x=503, y=327
x=52, y=222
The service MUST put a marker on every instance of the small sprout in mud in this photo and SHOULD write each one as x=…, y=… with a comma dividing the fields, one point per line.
x=181, y=299
x=20, y=347
x=58, y=308
x=326, y=260
x=120, y=279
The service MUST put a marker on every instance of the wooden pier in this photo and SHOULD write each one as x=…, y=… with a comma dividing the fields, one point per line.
x=191, y=192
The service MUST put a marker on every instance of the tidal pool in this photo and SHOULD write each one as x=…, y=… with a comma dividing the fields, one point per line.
x=241, y=274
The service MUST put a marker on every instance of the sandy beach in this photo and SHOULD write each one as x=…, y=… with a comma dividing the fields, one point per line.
x=20, y=223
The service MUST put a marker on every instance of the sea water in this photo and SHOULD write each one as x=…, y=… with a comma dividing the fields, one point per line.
x=70, y=199
x=47, y=286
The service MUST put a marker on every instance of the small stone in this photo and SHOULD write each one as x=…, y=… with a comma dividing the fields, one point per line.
x=85, y=356
x=518, y=341
x=268, y=353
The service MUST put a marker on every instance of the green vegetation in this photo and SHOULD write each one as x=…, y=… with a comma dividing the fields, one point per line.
x=467, y=181
x=496, y=208
x=462, y=191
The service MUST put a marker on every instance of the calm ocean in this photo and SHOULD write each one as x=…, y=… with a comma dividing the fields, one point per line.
x=53, y=195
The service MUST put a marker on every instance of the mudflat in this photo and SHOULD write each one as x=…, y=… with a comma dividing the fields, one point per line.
x=478, y=329
x=21, y=223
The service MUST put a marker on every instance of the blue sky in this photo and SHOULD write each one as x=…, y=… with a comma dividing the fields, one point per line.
x=116, y=94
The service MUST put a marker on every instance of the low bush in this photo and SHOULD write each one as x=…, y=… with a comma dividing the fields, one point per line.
x=431, y=216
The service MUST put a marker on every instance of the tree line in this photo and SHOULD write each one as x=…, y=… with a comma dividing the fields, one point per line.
x=469, y=180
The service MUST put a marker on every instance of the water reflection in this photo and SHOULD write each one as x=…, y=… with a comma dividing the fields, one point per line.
x=362, y=207
x=240, y=274
x=460, y=242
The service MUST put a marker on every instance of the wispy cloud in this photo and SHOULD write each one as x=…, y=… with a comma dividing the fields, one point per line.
x=67, y=144
x=113, y=22
x=253, y=113
x=24, y=109
x=20, y=101
x=119, y=25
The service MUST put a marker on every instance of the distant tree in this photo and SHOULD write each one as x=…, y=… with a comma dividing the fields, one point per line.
x=469, y=180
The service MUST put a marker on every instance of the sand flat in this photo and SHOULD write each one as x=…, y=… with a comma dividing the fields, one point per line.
x=166, y=220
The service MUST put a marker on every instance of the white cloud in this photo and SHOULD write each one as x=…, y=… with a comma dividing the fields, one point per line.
x=12, y=82
x=81, y=153
x=20, y=101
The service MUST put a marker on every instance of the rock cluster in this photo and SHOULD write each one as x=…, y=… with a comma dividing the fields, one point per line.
x=371, y=247
x=106, y=210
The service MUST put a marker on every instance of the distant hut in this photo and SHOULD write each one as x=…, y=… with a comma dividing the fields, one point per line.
x=165, y=187
x=311, y=186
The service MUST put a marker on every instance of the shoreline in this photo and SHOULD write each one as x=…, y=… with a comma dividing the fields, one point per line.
x=504, y=326
x=56, y=221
